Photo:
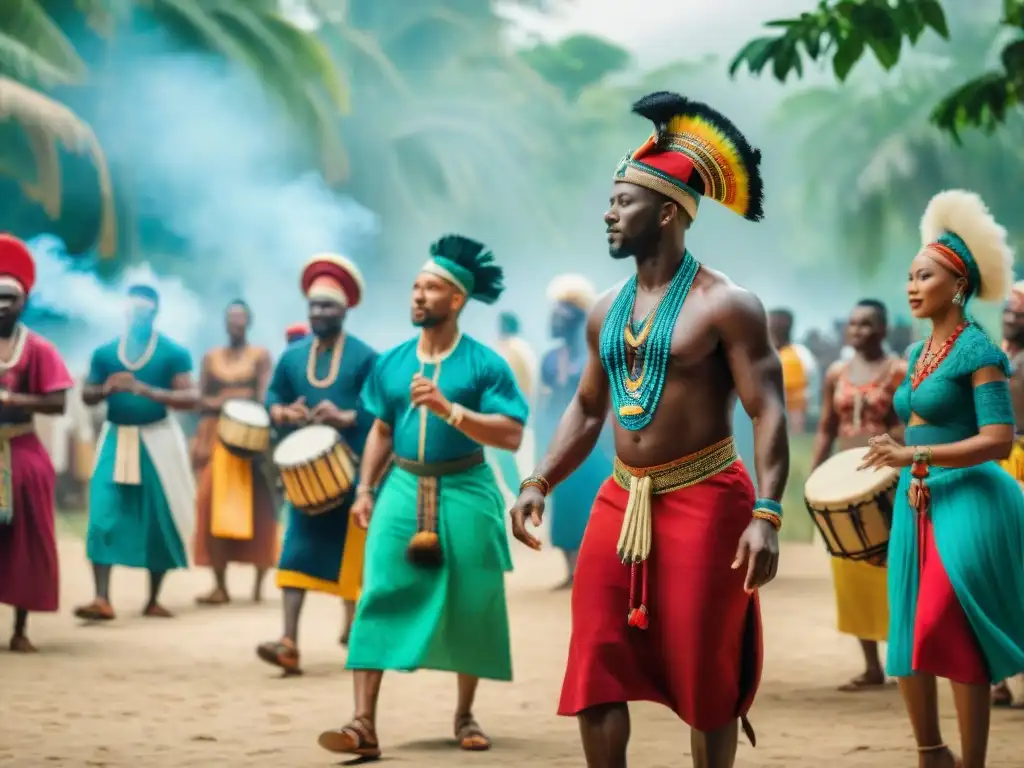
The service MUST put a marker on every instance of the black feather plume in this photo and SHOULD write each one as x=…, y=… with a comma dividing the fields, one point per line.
x=488, y=277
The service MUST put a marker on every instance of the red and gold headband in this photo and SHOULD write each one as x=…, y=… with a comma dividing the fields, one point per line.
x=948, y=258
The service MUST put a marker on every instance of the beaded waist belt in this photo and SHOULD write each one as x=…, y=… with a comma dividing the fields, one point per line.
x=635, y=538
x=7, y=433
x=425, y=547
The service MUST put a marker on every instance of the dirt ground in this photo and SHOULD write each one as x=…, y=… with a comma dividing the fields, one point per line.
x=151, y=693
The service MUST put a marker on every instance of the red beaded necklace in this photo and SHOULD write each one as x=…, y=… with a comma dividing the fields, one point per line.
x=929, y=361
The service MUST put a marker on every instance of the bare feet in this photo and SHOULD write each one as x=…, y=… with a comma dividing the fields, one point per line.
x=280, y=653
x=1001, y=696
x=872, y=679
x=20, y=644
x=217, y=597
x=98, y=610
x=156, y=611
x=358, y=738
x=939, y=756
x=470, y=735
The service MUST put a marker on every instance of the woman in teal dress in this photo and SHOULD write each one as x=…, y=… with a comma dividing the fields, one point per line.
x=142, y=493
x=436, y=550
x=956, y=553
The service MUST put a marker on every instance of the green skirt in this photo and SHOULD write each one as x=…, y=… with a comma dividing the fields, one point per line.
x=453, y=618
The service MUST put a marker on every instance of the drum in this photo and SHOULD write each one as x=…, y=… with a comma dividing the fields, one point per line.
x=244, y=428
x=852, y=508
x=317, y=468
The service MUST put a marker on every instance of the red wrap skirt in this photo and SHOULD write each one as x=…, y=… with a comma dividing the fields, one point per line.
x=701, y=653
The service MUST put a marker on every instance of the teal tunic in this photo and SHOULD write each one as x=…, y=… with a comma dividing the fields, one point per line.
x=132, y=525
x=453, y=618
x=977, y=512
x=315, y=546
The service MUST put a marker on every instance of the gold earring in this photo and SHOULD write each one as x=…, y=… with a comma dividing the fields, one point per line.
x=958, y=298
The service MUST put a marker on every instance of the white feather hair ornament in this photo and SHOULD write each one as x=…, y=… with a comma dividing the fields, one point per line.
x=965, y=214
x=573, y=289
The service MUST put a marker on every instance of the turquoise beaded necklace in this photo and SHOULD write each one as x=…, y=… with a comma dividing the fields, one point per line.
x=636, y=390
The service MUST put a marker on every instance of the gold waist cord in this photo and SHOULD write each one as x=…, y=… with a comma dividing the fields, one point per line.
x=636, y=538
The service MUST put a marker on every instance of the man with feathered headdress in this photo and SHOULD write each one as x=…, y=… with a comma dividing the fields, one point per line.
x=571, y=298
x=437, y=551
x=669, y=352
x=317, y=380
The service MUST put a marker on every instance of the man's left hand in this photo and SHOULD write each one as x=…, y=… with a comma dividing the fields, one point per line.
x=424, y=391
x=759, y=547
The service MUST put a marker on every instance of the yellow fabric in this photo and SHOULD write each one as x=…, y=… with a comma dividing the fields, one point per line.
x=350, y=577
x=231, y=513
x=85, y=457
x=1014, y=463
x=794, y=378
x=862, y=599
x=127, y=458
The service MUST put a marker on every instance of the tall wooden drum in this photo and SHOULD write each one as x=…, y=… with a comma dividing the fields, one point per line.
x=317, y=468
x=852, y=507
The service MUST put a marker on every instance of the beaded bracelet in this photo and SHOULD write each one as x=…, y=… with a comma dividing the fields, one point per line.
x=770, y=510
x=536, y=481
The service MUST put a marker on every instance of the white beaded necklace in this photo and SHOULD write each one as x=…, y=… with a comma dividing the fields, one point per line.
x=20, y=337
x=122, y=352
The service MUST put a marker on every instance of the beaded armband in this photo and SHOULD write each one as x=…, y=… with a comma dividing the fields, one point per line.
x=921, y=462
x=769, y=510
x=536, y=481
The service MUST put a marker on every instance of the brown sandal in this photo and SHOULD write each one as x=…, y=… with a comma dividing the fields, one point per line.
x=98, y=610
x=863, y=683
x=156, y=611
x=21, y=644
x=280, y=653
x=357, y=738
x=470, y=735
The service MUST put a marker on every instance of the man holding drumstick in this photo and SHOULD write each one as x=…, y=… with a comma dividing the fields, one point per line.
x=317, y=381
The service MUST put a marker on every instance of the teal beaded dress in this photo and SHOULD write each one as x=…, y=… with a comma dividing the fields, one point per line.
x=975, y=527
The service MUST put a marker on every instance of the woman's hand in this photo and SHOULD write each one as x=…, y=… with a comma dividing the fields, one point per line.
x=883, y=451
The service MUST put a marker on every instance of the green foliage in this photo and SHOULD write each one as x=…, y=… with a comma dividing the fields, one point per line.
x=843, y=30
x=575, y=63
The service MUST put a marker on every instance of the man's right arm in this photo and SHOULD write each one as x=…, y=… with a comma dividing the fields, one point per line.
x=580, y=426
x=95, y=390
x=376, y=454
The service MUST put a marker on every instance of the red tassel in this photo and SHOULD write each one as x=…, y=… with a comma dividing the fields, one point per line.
x=631, y=620
x=642, y=621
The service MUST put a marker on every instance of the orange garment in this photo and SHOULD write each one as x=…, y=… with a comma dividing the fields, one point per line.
x=794, y=379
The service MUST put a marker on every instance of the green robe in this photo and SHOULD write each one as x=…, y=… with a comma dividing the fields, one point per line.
x=453, y=618
x=133, y=525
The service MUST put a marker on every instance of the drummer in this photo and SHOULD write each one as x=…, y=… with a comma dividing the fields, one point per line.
x=317, y=380
x=856, y=405
x=236, y=518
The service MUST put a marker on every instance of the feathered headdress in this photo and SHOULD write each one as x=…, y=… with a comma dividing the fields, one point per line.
x=468, y=265
x=958, y=230
x=695, y=152
x=573, y=289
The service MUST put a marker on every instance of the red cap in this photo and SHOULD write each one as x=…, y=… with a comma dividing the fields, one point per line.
x=337, y=269
x=16, y=261
x=296, y=331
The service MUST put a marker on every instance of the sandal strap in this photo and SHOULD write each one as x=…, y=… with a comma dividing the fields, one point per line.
x=934, y=748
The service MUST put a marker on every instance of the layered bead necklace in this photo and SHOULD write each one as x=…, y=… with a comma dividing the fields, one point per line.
x=930, y=360
x=636, y=389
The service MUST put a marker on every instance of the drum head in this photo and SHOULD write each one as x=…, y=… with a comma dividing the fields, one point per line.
x=838, y=482
x=305, y=445
x=247, y=412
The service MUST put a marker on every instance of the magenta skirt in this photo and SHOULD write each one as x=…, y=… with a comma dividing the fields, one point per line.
x=29, y=573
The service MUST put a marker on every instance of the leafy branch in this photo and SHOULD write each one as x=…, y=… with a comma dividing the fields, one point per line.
x=843, y=30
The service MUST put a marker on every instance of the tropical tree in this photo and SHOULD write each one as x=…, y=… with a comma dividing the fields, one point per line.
x=843, y=30
x=871, y=160
x=37, y=57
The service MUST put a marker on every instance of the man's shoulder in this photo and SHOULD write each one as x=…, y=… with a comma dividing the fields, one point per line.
x=726, y=298
x=397, y=352
x=171, y=345
x=107, y=348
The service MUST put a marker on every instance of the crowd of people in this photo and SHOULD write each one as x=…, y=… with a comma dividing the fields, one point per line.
x=395, y=469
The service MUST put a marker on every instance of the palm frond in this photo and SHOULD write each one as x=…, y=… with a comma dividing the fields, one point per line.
x=27, y=22
x=49, y=124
